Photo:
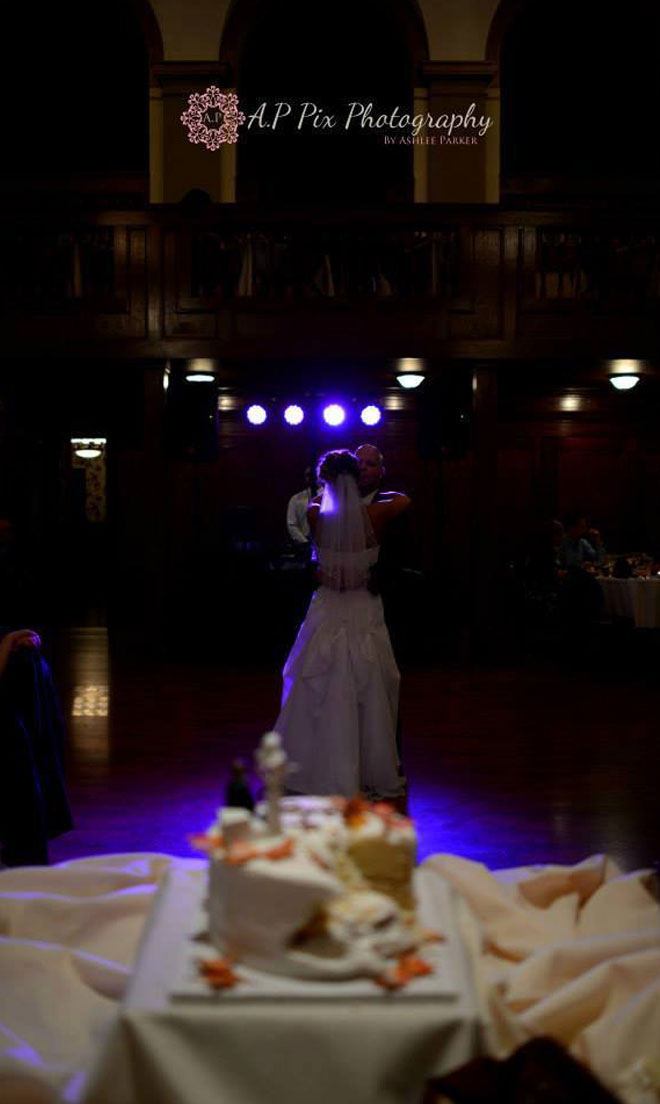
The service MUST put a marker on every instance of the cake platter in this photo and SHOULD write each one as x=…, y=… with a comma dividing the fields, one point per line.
x=435, y=911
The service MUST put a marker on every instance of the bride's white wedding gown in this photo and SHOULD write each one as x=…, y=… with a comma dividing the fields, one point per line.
x=340, y=698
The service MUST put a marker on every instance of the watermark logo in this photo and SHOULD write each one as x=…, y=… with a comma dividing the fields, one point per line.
x=213, y=118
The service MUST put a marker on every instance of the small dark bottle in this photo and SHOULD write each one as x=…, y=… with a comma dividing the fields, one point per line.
x=238, y=794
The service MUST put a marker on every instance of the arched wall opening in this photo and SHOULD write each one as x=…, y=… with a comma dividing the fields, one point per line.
x=84, y=103
x=368, y=54
x=578, y=84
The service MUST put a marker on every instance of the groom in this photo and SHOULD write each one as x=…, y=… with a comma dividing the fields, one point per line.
x=387, y=577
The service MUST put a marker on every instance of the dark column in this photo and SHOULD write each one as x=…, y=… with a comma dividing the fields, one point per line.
x=483, y=526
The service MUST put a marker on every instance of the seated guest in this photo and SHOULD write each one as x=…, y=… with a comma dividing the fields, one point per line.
x=594, y=538
x=575, y=550
x=33, y=801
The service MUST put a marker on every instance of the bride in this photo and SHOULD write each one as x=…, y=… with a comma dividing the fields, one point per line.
x=341, y=682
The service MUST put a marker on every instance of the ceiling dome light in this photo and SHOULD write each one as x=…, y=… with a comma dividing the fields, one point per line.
x=256, y=414
x=201, y=370
x=624, y=374
x=410, y=380
x=88, y=448
x=624, y=382
x=410, y=372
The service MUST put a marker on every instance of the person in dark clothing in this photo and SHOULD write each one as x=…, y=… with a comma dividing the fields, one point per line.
x=33, y=802
x=391, y=577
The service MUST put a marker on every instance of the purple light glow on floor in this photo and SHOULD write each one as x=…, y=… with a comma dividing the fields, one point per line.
x=491, y=776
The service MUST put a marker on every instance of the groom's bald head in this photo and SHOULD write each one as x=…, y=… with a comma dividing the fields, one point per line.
x=372, y=468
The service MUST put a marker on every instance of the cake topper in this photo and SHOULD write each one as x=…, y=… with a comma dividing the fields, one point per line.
x=273, y=766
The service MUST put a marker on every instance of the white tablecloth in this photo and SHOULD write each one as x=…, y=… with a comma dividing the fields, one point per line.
x=379, y=1049
x=570, y=952
x=636, y=599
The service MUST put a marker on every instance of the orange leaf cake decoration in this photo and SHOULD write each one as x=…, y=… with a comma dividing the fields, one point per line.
x=355, y=810
x=217, y=973
x=201, y=841
x=282, y=850
x=407, y=968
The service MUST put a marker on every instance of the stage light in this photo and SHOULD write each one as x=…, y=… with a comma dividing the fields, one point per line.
x=624, y=383
x=294, y=415
x=410, y=372
x=371, y=415
x=334, y=415
x=256, y=414
x=88, y=448
x=624, y=374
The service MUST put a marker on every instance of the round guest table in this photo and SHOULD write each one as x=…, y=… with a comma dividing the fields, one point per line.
x=636, y=599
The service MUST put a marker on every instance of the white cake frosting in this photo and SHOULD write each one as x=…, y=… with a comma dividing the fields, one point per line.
x=329, y=897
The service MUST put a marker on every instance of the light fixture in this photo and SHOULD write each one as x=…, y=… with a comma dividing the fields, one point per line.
x=256, y=414
x=201, y=370
x=371, y=415
x=294, y=414
x=570, y=403
x=410, y=372
x=624, y=383
x=334, y=415
x=624, y=374
x=88, y=448
x=166, y=379
x=410, y=380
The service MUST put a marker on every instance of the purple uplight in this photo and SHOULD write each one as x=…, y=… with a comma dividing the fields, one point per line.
x=371, y=415
x=334, y=415
x=294, y=415
x=256, y=414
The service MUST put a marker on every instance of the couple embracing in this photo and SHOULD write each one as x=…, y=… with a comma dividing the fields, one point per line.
x=340, y=697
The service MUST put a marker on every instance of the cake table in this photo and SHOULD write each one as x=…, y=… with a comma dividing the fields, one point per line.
x=277, y=1039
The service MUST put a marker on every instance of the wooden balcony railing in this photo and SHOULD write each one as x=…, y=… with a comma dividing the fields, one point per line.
x=462, y=280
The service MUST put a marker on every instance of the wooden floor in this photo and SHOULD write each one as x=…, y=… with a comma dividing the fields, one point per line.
x=506, y=765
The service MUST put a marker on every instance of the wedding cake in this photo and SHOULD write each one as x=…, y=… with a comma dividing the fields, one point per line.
x=314, y=887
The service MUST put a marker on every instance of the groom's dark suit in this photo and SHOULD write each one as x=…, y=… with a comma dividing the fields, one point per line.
x=388, y=575
x=387, y=578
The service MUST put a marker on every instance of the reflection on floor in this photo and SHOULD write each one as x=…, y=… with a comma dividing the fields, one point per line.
x=506, y=766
